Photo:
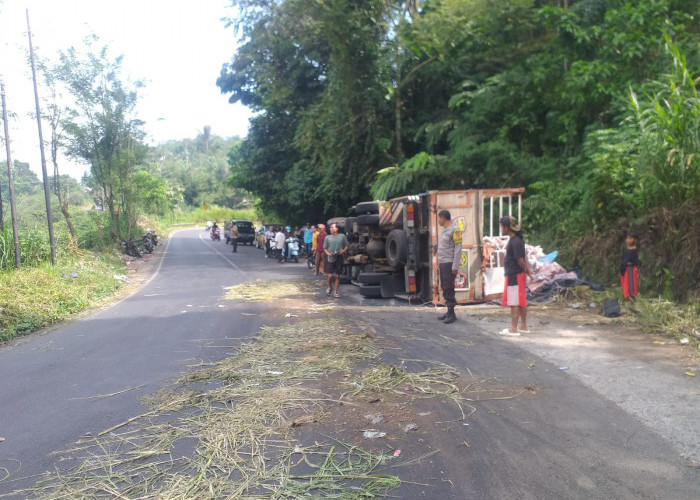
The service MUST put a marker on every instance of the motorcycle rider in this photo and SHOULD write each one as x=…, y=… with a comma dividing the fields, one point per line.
x=269, y=236
x=279, y=244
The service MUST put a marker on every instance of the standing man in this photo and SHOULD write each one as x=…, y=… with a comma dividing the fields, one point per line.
x=314, y=241
x=308, y=233
x=335, y=245
x=234, y=237
x=449, y=253
x=279, y=244
x=320, y=253
x=516, y=270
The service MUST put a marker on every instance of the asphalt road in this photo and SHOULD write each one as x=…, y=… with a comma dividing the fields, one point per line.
x=50, y=384
x=564, y=440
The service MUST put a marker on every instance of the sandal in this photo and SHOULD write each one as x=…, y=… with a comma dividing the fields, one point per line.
x=506, y=332
x=328, y=292
x=337, y=295
x=520, y=330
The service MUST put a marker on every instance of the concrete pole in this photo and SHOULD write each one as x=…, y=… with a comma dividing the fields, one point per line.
x=47, y=191
x=11, y=182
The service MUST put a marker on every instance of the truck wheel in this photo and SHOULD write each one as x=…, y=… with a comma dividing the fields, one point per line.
x=396, y=249
x=367, y=207
x=350, y=224
x=339, y=221
x=371, y=278
x=371, y=291
x=368, y=220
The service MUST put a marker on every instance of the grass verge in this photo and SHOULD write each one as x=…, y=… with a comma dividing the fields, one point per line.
x=34, y=297
x=651, y=315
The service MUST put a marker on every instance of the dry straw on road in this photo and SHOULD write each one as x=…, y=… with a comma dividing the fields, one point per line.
x=225, y=431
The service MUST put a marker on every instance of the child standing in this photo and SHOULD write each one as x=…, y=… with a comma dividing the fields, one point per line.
x=629, y=275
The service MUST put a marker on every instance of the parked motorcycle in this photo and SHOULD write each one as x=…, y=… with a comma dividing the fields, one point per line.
x=147, y=243
x=293, y=249
x=153, y=237
x=130, y=248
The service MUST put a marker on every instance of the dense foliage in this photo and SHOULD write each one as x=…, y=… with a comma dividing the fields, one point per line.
x=590, y=104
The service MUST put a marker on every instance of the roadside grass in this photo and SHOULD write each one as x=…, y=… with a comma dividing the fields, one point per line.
x=34, y=297
x=214, y=212
x=652, y=315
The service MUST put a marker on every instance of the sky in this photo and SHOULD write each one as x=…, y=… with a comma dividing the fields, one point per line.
x=176, y=46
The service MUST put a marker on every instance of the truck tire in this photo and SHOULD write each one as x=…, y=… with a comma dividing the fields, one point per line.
x=371, y=291
x=349, y=224
x=371, y=278
x=396, y=249
x=367, y=207
x=368, y=220
x=339, y=221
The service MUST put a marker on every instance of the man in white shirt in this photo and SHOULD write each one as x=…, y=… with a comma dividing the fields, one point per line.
x=279, y=244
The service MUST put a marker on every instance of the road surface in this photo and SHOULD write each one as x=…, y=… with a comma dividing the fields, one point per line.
x=565, y=440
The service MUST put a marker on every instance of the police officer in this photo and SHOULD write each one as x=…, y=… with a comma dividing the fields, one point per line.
x=449, y=253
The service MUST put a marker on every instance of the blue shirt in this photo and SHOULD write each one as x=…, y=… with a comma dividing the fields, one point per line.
x=308, y=234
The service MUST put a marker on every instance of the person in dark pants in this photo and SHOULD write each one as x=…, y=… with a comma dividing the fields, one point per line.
x=449, y=253
x=234, y=237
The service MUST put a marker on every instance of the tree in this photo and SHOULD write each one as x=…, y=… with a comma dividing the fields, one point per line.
x=54, y=114
x=101, y=129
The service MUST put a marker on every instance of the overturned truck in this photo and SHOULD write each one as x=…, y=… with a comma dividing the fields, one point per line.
x=391, y=244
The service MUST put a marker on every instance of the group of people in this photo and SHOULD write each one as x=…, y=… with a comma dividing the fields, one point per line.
x=326, y=248
x=280, y=243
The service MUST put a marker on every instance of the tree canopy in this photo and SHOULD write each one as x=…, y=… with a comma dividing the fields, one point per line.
x=379, y=98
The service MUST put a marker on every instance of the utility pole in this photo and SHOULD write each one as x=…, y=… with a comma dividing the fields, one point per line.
x=11, y=182
x=47, y=192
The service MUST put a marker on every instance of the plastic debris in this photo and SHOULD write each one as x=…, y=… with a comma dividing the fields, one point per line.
x=290, y=315
x=298, y=449
x=376, y=418
x=563, y=367
x=690, y=374
x=371, y=434
x=411, y=427
x=121, y=277
x=406, y=389
x=358, y=385
x=575, y=305
x=397, y=453
x=685, y=340
x=425, y=413
x=550, y=257
x=659, y=342
x=593, y=305
x=273, y=372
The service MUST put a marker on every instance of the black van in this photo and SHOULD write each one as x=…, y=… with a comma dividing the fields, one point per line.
x=246, y=231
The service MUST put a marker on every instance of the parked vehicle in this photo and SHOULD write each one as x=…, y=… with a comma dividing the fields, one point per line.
x=246, y=231
x=292, y=249
x=130, y=248
x=147, y=243
x=391, y=244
